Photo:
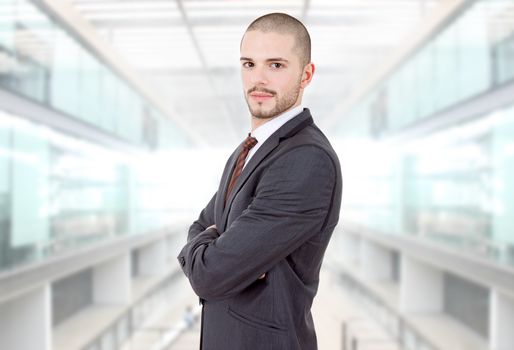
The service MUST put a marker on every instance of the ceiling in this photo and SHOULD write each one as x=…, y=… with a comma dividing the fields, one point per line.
x=188, y=50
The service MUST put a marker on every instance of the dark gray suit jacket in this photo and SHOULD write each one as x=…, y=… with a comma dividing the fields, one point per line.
x=278, y=220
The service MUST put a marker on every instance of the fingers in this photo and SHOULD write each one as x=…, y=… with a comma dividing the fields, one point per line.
x=262, y=276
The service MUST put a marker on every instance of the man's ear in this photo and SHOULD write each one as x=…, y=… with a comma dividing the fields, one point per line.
x=308, y=72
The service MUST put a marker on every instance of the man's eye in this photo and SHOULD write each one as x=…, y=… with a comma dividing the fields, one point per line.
x=247, y=64
x=276, y=65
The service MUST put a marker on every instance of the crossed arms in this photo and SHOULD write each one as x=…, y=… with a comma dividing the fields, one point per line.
x=291, y=203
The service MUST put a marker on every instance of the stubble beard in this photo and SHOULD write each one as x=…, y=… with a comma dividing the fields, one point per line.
x=281, y=105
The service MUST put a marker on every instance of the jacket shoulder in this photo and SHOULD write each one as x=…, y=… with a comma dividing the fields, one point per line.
x=309, y=136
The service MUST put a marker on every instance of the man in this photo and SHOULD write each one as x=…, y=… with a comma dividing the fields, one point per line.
x=255, y=252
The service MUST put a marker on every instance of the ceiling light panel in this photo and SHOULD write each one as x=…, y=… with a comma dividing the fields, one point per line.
x=134, y=9
x=242, y=12
x=125, y=6
x=250, y=4
x=355, y=3
x=161, y=61
x=150, y=48
x=147, y=14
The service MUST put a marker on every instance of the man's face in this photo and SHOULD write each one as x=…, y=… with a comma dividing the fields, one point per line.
x=271, y=73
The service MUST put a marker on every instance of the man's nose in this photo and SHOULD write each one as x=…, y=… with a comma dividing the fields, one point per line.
x=259, y=76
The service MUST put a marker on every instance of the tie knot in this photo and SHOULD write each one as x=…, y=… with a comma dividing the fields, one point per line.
x=249, y=142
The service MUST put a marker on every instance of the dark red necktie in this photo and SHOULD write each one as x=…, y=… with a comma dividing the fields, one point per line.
x=247, y=146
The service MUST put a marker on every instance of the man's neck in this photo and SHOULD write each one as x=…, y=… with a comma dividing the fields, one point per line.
x=256, y=122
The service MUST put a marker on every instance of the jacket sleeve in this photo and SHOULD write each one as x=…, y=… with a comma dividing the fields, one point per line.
x=205, y=220
x=290, y=206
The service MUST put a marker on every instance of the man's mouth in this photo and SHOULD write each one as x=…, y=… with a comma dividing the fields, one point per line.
x=260, y=96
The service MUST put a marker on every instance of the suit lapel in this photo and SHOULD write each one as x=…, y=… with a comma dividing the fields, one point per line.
x=225, y=178
x=287, y=130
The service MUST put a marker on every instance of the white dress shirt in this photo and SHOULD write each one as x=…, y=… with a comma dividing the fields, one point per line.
x=263, y=132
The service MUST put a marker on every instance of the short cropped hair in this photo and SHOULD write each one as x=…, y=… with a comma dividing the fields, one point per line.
x=285, y=24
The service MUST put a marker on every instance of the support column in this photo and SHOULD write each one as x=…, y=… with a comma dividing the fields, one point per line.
x=501, y=321
x=152, y=259
x=421, y=287
x=112, y=282
x=376, y=262
x=25, y=322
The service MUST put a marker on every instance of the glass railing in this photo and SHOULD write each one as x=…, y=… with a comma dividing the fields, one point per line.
x=471, y=55
x=58, y=192
x=41, y=60
x=453, y=187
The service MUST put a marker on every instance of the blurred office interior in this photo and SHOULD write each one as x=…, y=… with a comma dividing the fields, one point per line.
x=117, y=116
